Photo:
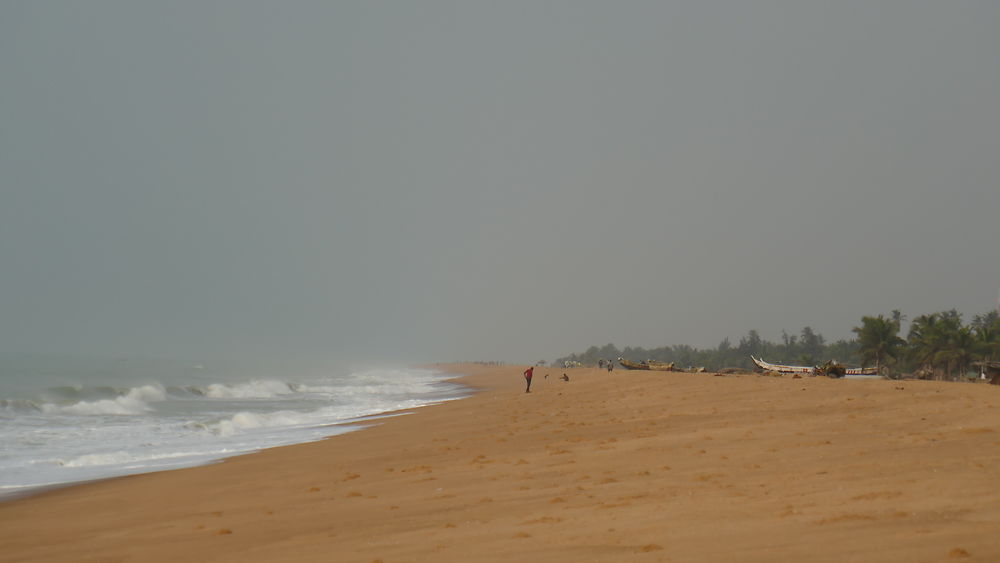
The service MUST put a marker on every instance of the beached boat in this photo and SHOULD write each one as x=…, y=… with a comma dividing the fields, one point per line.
x=633, y=365
x=831, y=369
x=660, y=366
x=656, y=365
x=782, y=368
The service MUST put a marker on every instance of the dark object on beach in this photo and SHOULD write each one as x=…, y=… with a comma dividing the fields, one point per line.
x=831, y=369
x=564, y=377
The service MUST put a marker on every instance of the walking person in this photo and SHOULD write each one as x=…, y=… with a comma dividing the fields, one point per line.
x=527, y=378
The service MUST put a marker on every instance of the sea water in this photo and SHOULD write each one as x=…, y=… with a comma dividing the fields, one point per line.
x=66, y=420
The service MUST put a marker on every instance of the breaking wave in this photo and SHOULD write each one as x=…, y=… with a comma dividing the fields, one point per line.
x=255, y=389
x=248, y=420
x=66, y=432
x=134, y=401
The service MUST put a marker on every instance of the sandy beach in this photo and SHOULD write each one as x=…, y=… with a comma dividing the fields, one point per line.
x=629, y=466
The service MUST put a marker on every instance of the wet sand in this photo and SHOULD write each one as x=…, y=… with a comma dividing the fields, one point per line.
x=633, y=466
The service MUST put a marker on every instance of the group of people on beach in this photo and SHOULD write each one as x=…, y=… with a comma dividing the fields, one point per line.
x=530, y=372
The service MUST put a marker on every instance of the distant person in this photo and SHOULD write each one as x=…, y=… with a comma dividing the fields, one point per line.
x=564, y=377
x=527, y=378
x=600, y=363
x=611, y=366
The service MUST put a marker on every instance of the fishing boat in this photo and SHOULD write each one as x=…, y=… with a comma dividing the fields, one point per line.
x=660, y=366
x=627, y=364
x=831, y=368
x=782, y=368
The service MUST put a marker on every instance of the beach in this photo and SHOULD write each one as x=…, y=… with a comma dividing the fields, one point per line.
x=626, y=466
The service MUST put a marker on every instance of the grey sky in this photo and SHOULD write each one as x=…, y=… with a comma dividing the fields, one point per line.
x=489, y=180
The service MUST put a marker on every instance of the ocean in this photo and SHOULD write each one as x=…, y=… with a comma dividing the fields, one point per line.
x=64, y=420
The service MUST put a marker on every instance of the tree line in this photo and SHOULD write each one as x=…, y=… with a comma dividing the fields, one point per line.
x=937, y=346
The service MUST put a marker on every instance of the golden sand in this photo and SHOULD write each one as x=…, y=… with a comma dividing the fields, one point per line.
x=632, y=466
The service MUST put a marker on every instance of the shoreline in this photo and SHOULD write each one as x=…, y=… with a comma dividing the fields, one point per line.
x=342, y=427
x=650, y=466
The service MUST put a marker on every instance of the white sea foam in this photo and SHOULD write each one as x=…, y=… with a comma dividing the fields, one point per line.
x=124, y=458
x=247, y=420
x=134, y=402
x=65, y=433
x=255, y=389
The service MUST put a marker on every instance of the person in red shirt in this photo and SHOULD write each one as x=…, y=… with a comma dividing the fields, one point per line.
x=527, y=377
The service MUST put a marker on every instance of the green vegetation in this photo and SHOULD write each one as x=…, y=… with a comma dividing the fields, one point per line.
x=878, y=340
x=937, y=346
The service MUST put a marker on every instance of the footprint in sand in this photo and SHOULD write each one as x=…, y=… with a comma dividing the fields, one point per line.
x=418, y=469
x=878, y=495
x=854, y=517
x=543, y=520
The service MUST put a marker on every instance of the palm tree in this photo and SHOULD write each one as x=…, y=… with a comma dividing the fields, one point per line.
x=986, y=331
x=940, y=343
x=956, y=344
x=960, y=351
x=878, y=340
x=925, y=340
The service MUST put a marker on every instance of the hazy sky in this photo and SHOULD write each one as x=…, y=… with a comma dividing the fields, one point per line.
x=438, y=180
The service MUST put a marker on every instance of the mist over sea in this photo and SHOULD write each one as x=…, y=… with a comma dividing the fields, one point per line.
x=64, y=420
